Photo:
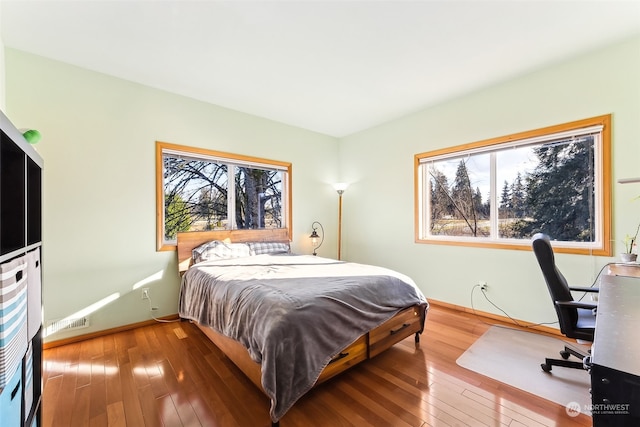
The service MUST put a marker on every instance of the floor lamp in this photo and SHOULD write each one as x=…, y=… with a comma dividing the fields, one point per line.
x=340, y=187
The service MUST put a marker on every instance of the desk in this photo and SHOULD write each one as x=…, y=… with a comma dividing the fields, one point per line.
x=624, y=269
x=615, y=355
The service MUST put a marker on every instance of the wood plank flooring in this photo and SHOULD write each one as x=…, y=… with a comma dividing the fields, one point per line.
x=169, y=374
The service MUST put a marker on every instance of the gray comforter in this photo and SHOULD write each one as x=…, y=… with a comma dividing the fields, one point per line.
x=293, y=312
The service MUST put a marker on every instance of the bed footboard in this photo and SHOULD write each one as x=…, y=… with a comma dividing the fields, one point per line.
x=407, y=322
x=403, y=324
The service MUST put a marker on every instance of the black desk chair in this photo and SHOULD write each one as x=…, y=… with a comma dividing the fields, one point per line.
x=577, y=318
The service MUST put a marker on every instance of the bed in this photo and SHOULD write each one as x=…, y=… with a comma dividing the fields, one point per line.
x=289, y=321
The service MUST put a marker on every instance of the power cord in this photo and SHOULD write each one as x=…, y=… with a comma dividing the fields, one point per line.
x=484, y=293
x=152, y=309
x=597, y=279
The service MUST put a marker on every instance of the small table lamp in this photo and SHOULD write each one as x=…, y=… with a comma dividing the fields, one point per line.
x=314, y=236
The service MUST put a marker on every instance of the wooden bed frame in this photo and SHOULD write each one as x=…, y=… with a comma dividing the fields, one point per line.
x=408, y=321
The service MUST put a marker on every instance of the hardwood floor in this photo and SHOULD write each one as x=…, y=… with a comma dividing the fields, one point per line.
x=169, y=374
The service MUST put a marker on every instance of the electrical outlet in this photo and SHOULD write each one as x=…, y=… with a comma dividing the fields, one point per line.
x=145, y=293
x=483, y=286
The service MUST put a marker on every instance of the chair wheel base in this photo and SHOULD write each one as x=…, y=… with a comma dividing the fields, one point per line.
x=568, y=351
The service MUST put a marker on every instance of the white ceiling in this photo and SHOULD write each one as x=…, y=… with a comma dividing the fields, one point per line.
x=335, y=67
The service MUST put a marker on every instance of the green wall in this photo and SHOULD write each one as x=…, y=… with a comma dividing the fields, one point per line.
x=99, y=183
x=98, y=146
x=379, y=204
x=2, y=79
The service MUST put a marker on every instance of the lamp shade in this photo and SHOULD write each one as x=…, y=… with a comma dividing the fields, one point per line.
x=340, y=186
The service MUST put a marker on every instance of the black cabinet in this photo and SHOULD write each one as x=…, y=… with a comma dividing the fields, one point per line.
x=34, y=202
x=615, y=370
x=12, y=196
x=615, y=397
x=20, y=279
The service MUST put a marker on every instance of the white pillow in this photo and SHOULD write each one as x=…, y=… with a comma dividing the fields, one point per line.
x=217, y=249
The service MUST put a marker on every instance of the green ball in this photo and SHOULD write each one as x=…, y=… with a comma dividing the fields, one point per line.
x=32, y=136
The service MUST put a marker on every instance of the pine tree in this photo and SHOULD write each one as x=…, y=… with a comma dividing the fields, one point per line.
x=177, y=216
x=505, y=202
x=561, y=196
x=463, y=200
x=518, y=197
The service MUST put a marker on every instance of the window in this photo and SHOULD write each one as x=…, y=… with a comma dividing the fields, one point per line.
x=199, y=189
x=499, y=192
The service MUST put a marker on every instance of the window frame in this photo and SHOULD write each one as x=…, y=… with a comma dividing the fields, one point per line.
x=206, y=154
x=602, y=247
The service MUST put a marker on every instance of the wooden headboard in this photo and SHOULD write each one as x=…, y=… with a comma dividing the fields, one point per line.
x=189, y=240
